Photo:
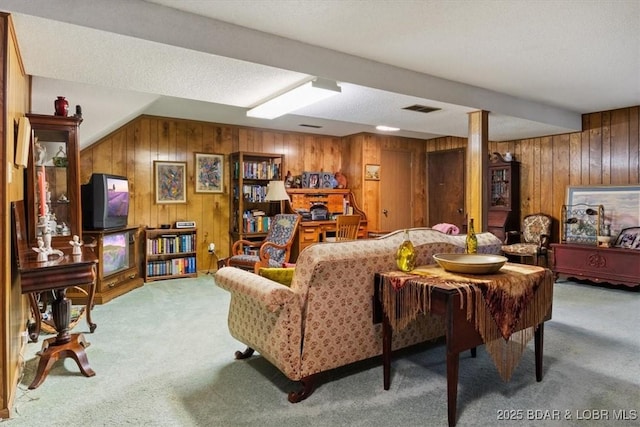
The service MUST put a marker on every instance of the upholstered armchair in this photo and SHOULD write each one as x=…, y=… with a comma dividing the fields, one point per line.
x=273, y=251
x=532, y=241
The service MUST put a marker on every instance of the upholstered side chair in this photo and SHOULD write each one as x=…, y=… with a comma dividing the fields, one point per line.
x=273, y=251
x=347, y=227
x=532, y=242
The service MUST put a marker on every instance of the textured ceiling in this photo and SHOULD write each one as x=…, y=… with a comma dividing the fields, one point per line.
x=536, y=66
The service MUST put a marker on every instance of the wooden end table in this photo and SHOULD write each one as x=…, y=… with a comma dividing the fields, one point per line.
x=461, y=334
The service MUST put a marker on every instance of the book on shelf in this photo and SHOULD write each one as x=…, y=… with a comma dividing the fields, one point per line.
x=172, y=267
x=170, y=244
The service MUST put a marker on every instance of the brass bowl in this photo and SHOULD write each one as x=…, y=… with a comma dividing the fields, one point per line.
x=470, y=263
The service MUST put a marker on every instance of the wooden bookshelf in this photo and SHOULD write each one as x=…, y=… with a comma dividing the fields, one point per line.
x=170, y=253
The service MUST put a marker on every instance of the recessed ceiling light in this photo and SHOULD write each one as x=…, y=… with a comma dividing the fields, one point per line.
x=387, y=128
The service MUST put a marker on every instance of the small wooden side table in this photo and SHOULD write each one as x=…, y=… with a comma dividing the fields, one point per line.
x=57, y=274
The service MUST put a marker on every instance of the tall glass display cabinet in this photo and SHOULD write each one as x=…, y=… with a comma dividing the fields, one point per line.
x=52, y=182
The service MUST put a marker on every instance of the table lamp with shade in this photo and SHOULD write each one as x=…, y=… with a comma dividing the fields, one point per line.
x=276, y=192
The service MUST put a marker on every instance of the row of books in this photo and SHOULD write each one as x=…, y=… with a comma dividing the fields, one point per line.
x=254, y=193
x=171, y=244
x=257, y=170
x=255, y=223
x=172, y=267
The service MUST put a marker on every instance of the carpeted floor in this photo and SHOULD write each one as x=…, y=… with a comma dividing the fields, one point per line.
x=163, y=357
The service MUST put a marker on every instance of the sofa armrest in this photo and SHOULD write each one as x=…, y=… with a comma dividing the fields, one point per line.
x=269, y=293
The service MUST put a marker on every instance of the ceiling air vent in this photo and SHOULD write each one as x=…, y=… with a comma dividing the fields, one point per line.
x=310, y=126
x=421, y=108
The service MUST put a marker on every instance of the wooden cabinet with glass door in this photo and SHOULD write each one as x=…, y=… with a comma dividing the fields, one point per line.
x=504, y=195
x=52, y=179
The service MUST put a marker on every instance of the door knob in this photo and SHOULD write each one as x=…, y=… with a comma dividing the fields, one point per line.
x=385, y=212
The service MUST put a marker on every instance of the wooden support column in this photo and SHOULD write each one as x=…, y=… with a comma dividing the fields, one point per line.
x=476, y=186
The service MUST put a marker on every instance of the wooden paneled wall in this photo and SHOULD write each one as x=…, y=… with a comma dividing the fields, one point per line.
x=131, y=151
x=605, y=152
x=14, y=103
x=368, y=149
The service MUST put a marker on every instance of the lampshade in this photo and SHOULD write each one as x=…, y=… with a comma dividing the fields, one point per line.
x=276, y=192
x=299, y=97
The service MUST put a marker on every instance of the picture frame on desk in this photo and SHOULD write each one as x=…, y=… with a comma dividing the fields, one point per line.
x=170, y=182
x=209, y=176
x=311, y=179
x=629, y=238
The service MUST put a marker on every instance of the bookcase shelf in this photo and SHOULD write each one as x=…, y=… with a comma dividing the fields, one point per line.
x=170, y=253
x=250, y=214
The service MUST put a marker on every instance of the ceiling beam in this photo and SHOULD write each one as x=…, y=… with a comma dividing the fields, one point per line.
x=150, y=21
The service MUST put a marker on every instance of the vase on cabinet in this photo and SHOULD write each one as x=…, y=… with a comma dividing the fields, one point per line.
x=61, y=106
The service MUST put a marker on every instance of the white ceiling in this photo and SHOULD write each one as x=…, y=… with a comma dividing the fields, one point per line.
x=535, y=65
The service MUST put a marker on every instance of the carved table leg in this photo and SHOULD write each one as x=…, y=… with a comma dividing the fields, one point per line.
x=89, y=306
x=34, y=328
x=64, y=344
x=52, y=352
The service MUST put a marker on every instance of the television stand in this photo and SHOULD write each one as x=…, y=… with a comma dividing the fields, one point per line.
x=118, y=267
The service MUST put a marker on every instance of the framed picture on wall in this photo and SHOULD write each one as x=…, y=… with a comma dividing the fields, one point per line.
x=170, y=181
x=209, y=176
x=372, y=172
x=621, y=203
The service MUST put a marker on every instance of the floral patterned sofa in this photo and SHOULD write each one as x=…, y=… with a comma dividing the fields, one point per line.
x=324, y=320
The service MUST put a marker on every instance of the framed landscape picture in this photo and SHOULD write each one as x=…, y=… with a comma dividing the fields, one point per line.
x=621, y=203
x=170, y=181
x=209, y=174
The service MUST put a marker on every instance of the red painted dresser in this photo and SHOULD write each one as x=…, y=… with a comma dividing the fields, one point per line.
x=611, y=265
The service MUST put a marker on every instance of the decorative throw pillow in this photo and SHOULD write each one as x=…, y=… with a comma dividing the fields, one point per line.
x=280, y=275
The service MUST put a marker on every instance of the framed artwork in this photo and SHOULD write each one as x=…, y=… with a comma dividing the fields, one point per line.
x=621, y=203
x=170, y=181
x=629, y=238
x=311, y=179
x=209, y=174
x=372, y=172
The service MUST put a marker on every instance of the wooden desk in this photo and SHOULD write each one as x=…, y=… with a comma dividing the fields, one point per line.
x=57, y=274
x=310, y=232
x=459, y=298
x=335, y=199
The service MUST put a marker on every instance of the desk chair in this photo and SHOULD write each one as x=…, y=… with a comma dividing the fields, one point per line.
x=346, y=229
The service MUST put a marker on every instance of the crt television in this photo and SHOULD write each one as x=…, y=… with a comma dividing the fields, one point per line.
x=105, y=202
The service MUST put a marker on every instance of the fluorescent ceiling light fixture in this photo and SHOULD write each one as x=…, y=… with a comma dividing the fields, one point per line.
x=301, y=96
x=387, y=128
